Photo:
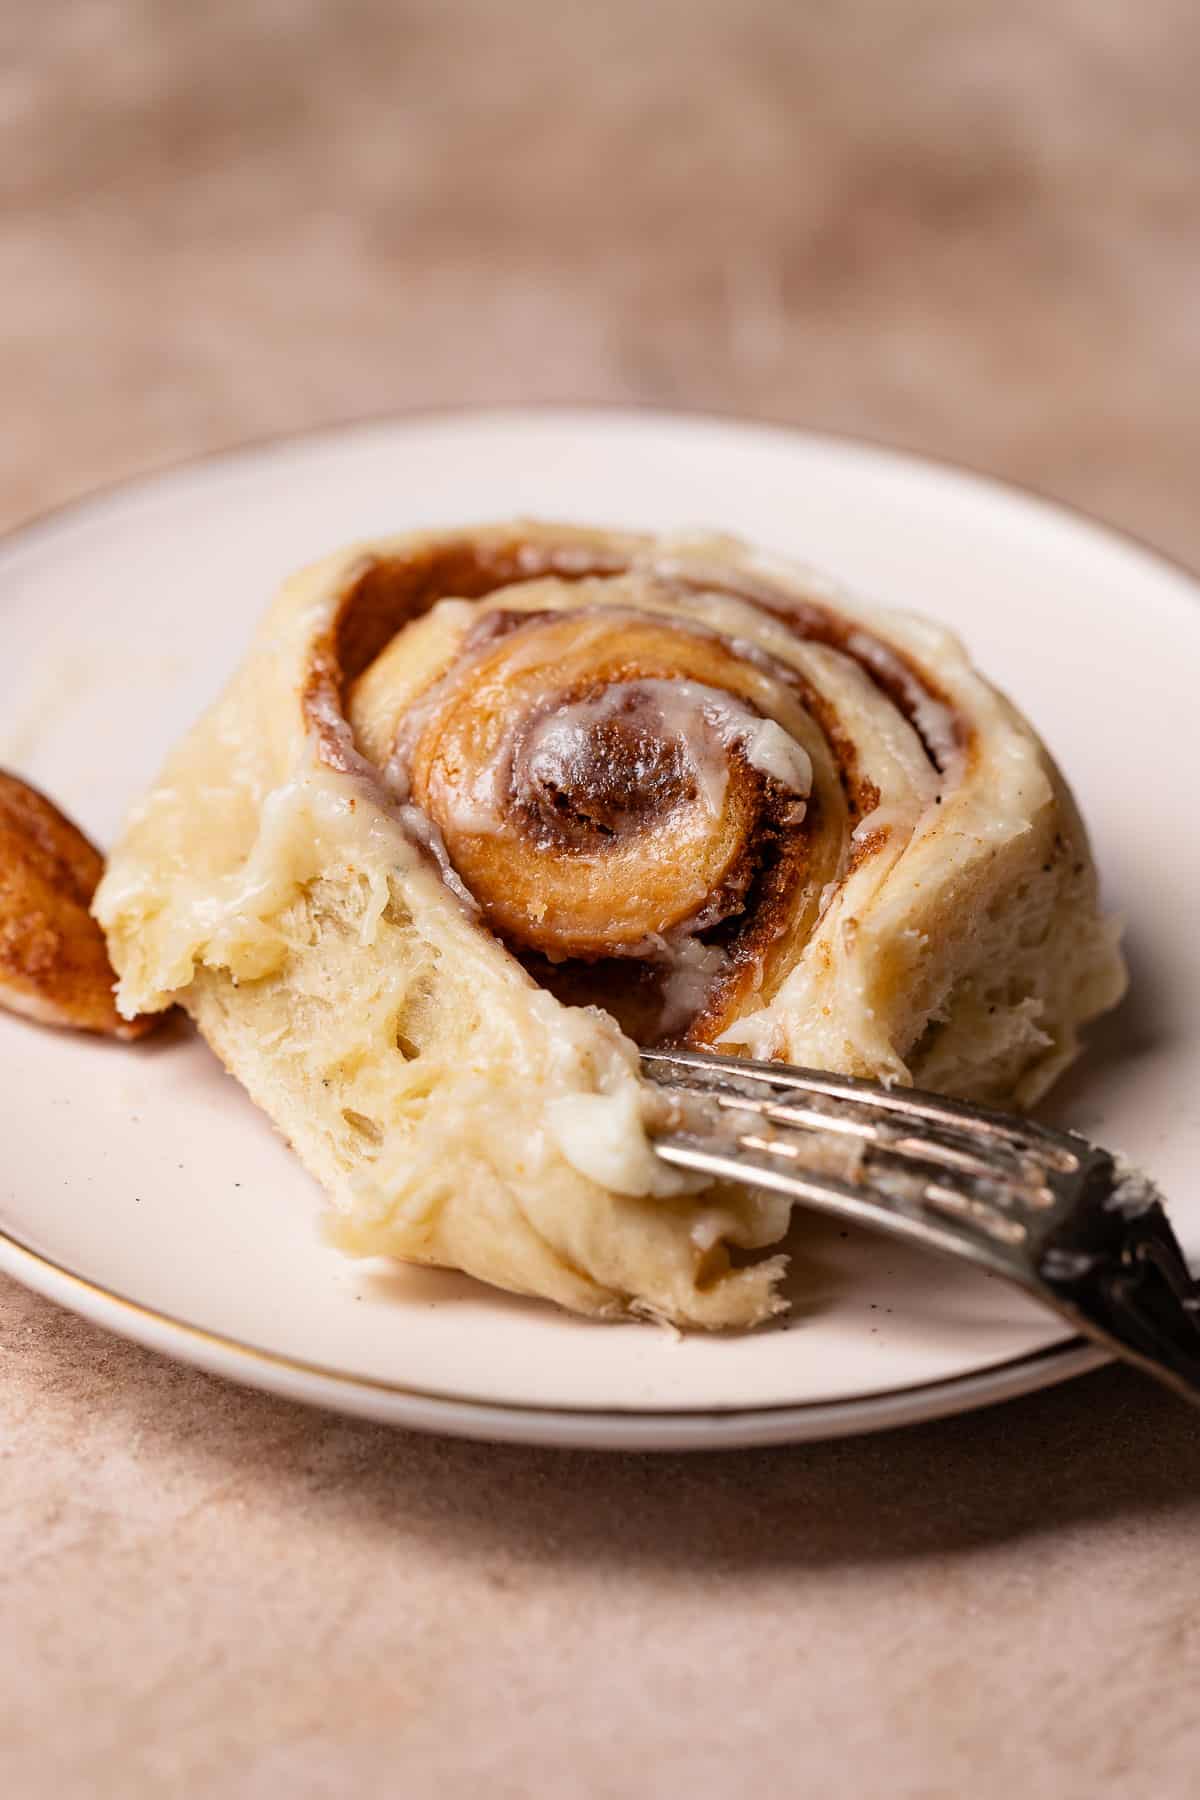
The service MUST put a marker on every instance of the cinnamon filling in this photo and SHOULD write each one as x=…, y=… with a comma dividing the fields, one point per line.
x=612, y=787
x=579, y=781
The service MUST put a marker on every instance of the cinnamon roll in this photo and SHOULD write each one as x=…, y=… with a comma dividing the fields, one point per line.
x=54, y=967
x=485, y=809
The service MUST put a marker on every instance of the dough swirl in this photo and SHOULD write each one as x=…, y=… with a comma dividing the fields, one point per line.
x=483, y=806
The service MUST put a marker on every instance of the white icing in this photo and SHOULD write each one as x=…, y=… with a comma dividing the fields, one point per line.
x=597, y=1107
x=668, y=709
x=457, y=612
x=603, y=1136
x=303, y=822
x=422, y=828
x=694, y=967
x=934, y=721
x=478, y=807
x=774, y=751
x=827, y=896
x=710, y=1226
x=703, y=720
x=883, y=818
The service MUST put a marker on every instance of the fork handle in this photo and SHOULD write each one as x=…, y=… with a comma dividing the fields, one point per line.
x=1115, y=1268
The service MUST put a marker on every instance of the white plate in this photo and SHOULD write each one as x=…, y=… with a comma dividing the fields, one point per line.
x=140, y=1187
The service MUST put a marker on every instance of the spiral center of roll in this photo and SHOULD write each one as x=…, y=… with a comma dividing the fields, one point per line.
x=611, y=788
x=616, y=760
x=646, y=797
x=644, y=775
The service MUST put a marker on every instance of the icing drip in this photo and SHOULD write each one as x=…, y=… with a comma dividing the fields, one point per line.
x=663, y=742
x=692, y=969
x=932, y=719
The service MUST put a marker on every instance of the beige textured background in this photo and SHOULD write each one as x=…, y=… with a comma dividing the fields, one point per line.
x=964, y=225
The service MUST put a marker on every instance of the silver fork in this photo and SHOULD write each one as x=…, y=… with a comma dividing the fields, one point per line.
x=1046, y=1210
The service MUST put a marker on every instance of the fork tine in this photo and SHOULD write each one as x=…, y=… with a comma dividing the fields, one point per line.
x=910, y=1153
x=703, y=1069
x=829, y=1194
x=1003, y=1164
